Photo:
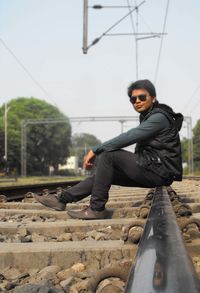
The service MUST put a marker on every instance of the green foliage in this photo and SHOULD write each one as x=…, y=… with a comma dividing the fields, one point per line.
x=196, y=148
x=196, y=145
x=81, y=144
x=184, y=147
x=47, y=144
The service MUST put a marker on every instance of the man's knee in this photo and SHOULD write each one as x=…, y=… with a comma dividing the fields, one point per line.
x=105, y=156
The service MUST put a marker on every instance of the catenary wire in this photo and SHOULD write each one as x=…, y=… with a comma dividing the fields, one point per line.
x=131, y=17
x=132, y=23
x=197, y=103
x=26, y=70
x=144, y=21
x=188, y=103
x=161, y=42
x=114, y=25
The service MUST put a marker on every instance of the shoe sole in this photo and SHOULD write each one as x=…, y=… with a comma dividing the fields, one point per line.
x=76, y=217
x=52, y=208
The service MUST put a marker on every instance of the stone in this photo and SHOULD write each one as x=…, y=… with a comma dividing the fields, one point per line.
x=36, y=219
x=78, y=236
x=3, y=238
x=3, y=285
x=64, y=274
x=107, y=229
x=92, y=234
x=22, y=231
x=65, y=284
x=3, y=198
x=85, y=274
x=80, y=287
x=51, y=219
x=64, y=237
x=100, y=236
x=23, y=276
x=10, y=285
x=195, y=258
x=16, y=238
x=11, y=274
x=48, y=273
x=33, y=272
x=37, y=288
x=37, y=238
x=78, y=267
x=27, y=238
x=8, y=240
x=115, y=235
x=111, y=289
x=102, y=285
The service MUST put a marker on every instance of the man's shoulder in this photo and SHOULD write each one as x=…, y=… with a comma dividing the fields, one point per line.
x=158, y=115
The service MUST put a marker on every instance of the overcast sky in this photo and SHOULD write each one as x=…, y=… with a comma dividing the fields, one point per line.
x=46, y=39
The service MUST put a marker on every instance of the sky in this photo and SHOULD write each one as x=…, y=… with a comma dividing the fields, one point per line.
x=41, y=56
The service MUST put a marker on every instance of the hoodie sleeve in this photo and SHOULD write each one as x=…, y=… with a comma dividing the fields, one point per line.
x=147, y=129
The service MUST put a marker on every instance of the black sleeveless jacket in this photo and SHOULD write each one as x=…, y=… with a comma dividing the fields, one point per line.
x=162, y=154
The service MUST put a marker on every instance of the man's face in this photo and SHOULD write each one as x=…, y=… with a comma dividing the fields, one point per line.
x=141, y=105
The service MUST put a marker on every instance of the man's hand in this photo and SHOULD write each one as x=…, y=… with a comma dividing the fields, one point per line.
x=88, y=160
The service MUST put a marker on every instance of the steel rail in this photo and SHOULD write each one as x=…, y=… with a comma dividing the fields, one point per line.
x=191, y=177
x=162, y=263
x=18, y=192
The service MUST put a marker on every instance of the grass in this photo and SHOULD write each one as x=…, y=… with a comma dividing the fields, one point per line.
x=35, y=180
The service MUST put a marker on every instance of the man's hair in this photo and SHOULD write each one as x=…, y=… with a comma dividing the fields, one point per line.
x=142, y=84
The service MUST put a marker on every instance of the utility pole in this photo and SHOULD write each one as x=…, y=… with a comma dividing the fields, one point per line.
x=6, y=131
x=190, y=145
x=136, y=44
x=85, y=26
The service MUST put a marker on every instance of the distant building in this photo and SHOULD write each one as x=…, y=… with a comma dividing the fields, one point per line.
x=71, y=164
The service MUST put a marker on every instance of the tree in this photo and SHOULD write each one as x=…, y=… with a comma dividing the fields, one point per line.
x=81, y=143
x=47, y=144
x=184, y=147
x=196, y=145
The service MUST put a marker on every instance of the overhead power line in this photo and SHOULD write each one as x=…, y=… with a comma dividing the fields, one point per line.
x=188, y=103
x=197, y=103
x=135, y=37
x=26, y=70
x=131, y=17
x=95, y=41
x=161, y=42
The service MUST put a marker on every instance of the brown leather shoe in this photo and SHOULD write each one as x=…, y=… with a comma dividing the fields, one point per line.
x=88, y=214
x=51, y=201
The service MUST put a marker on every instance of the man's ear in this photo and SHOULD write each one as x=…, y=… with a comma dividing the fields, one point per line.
x=154, y=100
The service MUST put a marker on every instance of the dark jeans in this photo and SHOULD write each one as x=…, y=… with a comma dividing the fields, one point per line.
x=116, y=167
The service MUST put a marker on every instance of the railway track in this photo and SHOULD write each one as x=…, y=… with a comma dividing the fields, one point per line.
x=42, y=247
x=19, y=192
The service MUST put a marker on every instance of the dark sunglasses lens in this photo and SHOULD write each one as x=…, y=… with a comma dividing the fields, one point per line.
x=133, y=99
x=140, y=97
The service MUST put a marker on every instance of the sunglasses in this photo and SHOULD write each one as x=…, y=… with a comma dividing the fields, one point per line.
x=142, y=98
